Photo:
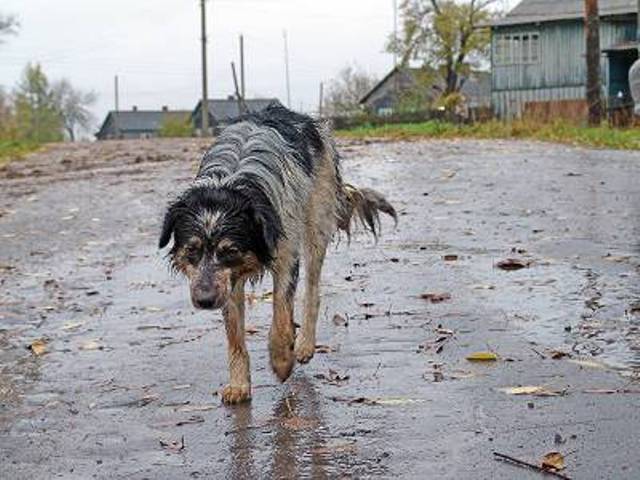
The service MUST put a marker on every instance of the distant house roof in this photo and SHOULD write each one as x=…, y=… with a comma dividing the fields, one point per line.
x=535, y=11
x=476, y=88
x=140, y=120
x=224, y=110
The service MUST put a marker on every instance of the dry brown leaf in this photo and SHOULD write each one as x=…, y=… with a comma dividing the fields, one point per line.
x=450, y=257
x=436, y=297
x=553, y=461
x=324, y=349
x=339, y=320
x=558, y=354
x=38, y=347
x=251, y=330
x=482, y=357
x=513, y=264
x=174, y=446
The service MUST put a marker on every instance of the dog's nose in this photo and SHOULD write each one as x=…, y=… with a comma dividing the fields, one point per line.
x=205, y=300
x=205, y=303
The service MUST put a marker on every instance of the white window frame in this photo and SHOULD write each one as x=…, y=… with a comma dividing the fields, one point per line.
x=508, y=48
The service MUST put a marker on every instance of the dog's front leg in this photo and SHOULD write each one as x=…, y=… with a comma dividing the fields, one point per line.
x=282, y=336
x=239, y=387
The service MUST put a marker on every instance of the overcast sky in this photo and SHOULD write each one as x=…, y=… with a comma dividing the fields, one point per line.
x=154, y=47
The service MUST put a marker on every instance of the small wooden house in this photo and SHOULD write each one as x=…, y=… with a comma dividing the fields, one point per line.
x=386, y=95
x=134, y=123
x=538, y=53
x=223, y=111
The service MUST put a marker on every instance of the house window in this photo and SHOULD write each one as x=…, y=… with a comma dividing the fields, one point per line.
x=517, y=48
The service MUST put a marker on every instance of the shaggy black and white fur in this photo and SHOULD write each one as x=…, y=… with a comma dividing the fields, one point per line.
x=268, y=193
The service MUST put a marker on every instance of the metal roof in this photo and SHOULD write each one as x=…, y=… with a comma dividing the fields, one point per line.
x=146, y=120
x=224, y=110
x=535, y=11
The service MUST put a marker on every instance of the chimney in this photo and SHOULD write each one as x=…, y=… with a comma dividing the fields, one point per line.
x=165, y=108
x=134, y=108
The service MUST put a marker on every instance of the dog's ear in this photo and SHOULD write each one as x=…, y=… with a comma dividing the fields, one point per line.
x=168, y=224
x=269, y=226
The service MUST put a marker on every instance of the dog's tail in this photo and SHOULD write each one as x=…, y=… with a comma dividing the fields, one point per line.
x=365, y=204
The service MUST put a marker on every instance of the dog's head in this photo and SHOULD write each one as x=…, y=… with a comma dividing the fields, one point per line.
x=219, y=237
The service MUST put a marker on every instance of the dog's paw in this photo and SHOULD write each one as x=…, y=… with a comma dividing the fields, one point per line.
x=233, y=394
x=305, y=350
x=282, y=362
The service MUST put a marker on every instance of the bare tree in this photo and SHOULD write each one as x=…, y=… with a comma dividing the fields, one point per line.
x=8, y=25
x=345, y=92
x=73, y=106
x=446, y=35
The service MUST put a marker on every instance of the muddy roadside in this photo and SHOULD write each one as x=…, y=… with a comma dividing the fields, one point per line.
x=125, y=384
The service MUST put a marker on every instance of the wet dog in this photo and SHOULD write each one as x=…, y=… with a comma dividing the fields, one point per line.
x=268, y=193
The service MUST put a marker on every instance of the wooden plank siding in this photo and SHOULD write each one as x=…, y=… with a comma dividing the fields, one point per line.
x=560, y=72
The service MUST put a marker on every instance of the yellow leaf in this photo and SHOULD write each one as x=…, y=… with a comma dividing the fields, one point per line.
x=531, y=390
x=38, y=347
x=482, y=357
x=91, y=345
x=527, y=390
x=553, y=461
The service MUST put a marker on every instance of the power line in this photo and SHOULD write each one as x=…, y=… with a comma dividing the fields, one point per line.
x=286, y=67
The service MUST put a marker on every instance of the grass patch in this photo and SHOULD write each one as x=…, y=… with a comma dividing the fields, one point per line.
x=14, y=149
x=560, y=132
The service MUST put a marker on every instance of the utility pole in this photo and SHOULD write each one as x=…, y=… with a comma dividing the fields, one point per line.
x=592, y=37
x=321, y=100
x=242, y=90
x=116, y=127
x=395, y=32
x=204, y=106
x=286, y=67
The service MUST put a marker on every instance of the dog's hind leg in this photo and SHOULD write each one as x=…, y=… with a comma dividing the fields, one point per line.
x=281, y=336
x=319, y=227
x=239, y=387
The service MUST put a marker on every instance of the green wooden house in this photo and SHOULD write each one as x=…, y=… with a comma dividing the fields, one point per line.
x=538, y=53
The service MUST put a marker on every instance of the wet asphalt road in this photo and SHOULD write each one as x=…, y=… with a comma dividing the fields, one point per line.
x=127, y=385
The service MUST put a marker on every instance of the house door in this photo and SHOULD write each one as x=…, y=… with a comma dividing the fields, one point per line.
x=619, y=65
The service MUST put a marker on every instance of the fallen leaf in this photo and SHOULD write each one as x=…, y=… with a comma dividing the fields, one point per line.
x=482, y=357
x=38, y=347
x=251, y=330
x=512, y=264
x=324, y=349
x=528, y=390
x=339, y=320
x=91, y=345
x=617, y=258
x=72, y=325
x=553, y=461
x=299, y=423
x=191, y=420
x=558, y=354
x=536, y=390
x=436, y=297
x=450, y=257
x=174, y=446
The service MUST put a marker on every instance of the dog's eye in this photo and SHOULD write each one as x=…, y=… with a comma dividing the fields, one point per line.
x=228, y=254
x=193, y=252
